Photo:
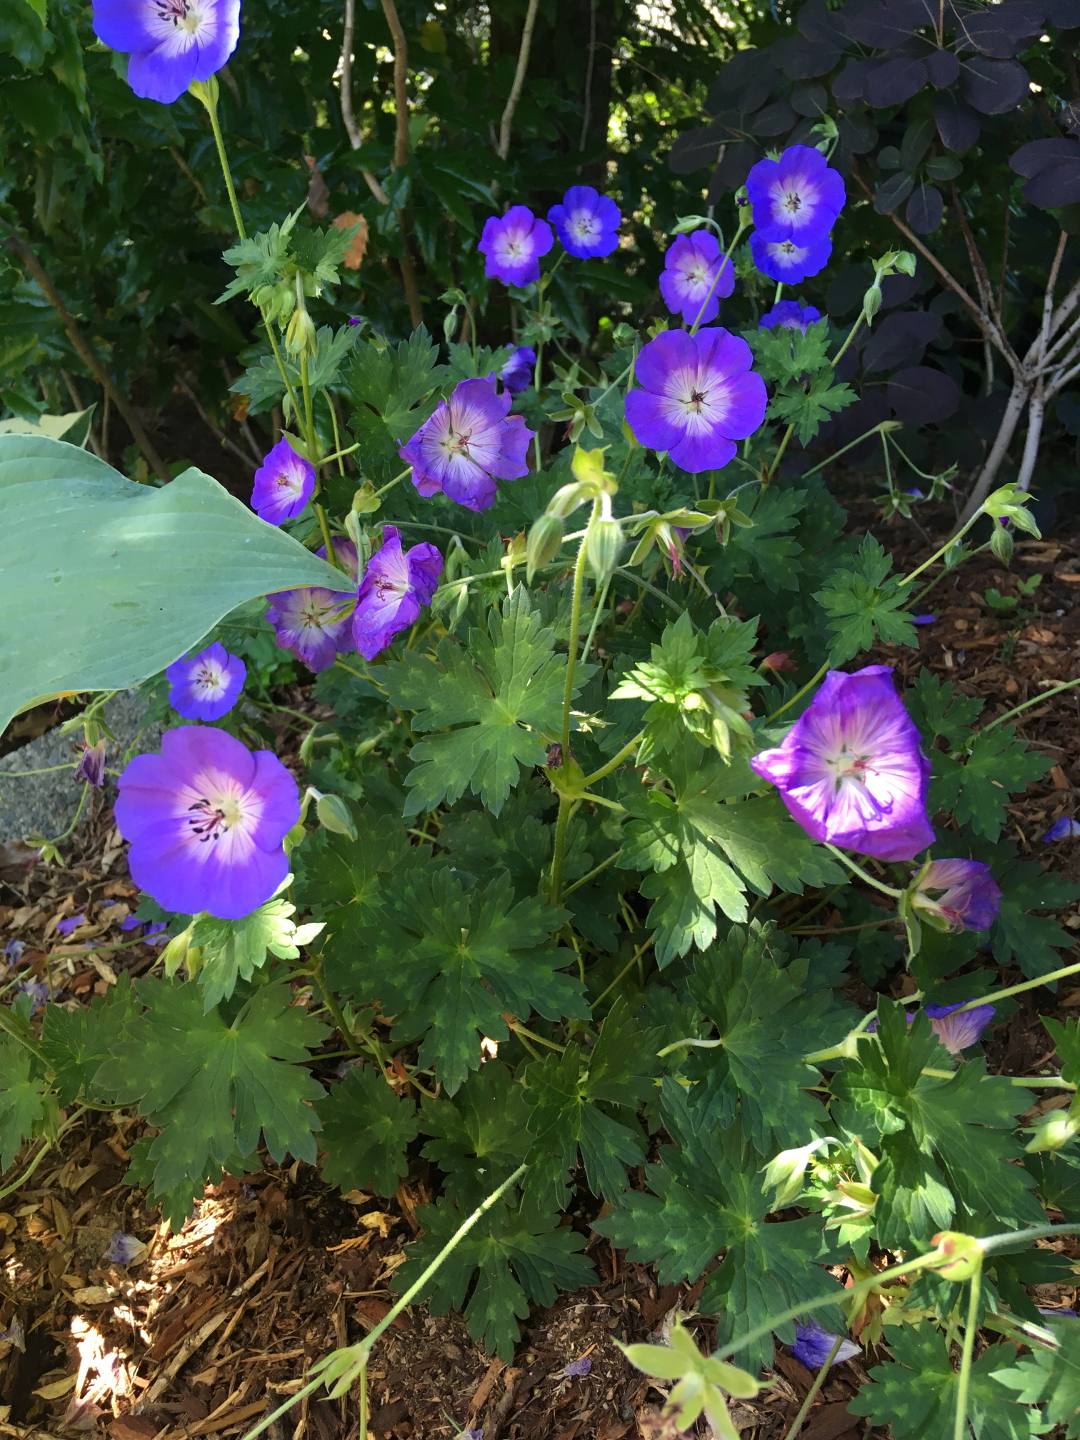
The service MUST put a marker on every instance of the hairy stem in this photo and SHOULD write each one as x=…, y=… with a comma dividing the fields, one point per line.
x=812, y=1393
x=963, y=1385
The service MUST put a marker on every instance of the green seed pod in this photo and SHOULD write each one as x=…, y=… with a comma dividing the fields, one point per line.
x=334, y=815
x=1001, y=542
x=603, y=542
x=545, y=537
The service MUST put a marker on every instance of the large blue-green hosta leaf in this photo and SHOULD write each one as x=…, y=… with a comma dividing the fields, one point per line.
x=105, y=582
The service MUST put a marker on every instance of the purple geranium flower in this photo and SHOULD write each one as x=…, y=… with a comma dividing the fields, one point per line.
x=851, y=770
x=470, y=442
x=91, y=767
x=813, y=1346
x=207, y=686
x=72, y=922
x=123, y=1249
x=923, y=619
x=698, y=396
x=787, y=261
x=797, y=197
x=971, y=898
x=957, y=1031
x=37, y=991
x=171, y=42
x=578, y=1367
x=1065, y=828
x=513, y=243
x=586, y=222
x=395, y=586
x=283, y=484
x=206, y=819
x=517, y=374
x=696, y=277
x=789, y=315
x=13, y=951
x=313, y=622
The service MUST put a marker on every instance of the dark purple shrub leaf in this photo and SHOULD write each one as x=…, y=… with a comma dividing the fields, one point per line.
x=806, y=59
x=956, y=123
x=921, y=396
x=925, y=209
x=916, y=142
x=898, y=338
x=775, y=119
x=993, y=87
x=885, y=23
x=697, y=148
x=733, y=168
x=943, y=68
x=892, y=191
x=1039, y=155
x=893, y=81
x=1000, y=30
x=848, y=85
x=1065, y=14
x=822, y=25
x=1056, y=185
x=858, y=132
x=810, y=99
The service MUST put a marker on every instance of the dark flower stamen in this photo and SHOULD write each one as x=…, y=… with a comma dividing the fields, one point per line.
x=210, y=823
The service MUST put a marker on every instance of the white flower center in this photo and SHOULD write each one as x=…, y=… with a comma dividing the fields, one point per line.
x=791, y=202
x=213, y=816
x=181, y=13
x=210, y=679
x=850, y=766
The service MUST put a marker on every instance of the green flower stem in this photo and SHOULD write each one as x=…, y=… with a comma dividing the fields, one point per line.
x=207, y=92
x=592, y=874
x=811, y=1395
x=16, y=774
x=626, y=968
x=1017, y=989
x=963, y=1386
x=690, y=1040
x=1036, y=700
x=851, y=336
x=876, y=430
x=907, y=579
x=575, y=626
x=858, y=870
x=281, y=367
x=519, y=1029
x=340, y=454
x=390, y=484
x=814, y=679
x=744, y=224
x=847, y=1045
x=310, y=438
x=48, y=1145
x=567, y=807
x=329, y=1000
x=613, y=764
x=350, y=1364
x=645, y=585
x=598, y=610
x=769, y=475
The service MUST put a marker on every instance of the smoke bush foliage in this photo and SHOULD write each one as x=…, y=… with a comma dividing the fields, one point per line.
x=596, y=733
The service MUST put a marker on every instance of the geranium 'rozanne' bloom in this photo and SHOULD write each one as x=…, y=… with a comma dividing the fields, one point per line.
x=789, y=261
x=206, y=819
x=1063, y=829
x=512, y=245
x=517, y=374
x=91, y=767
x=586, y=222
x=313, y=622
x=789, y=315
x=170, y=42
x=956, y=1028
x=696, y=277
x=208, y=685
x=395, y=586
x=851, y=770
x=123, y=1249
x=971, y=898
x=813, y=1346
x=470, y=442
x=284, y=483
x=698, y=396
x=796, y=197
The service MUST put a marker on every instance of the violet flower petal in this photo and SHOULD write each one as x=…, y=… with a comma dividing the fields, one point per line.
x=208, y=685
x=512, y=245
x=284, y=484
x=396, y=585
x=171, y=42
x=796, y=197
x=696, y=277
x=586, y=222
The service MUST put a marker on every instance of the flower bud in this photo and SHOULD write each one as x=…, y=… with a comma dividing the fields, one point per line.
x=545, y=537
x=603, y=542
x=784, y=1173
x=1001, y=542
x=334, y=815
x=959, y=1256
x=365, y=501
x=300, y=336
x=1053, y=1131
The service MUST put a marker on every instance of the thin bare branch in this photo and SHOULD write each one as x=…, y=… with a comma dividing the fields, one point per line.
x=1067, y=306
x=519, y=80
x=1036, y=410
x=348, y=116
x=992, y=464
x=16, y=243
x=401, y=75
